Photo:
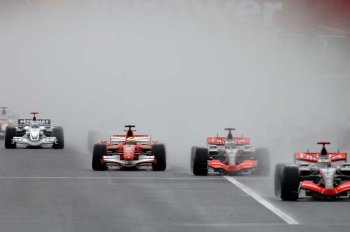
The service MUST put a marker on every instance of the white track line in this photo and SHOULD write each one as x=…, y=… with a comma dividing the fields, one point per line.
x=285, y=217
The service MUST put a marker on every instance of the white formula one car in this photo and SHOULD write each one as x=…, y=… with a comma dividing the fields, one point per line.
x=34, y=133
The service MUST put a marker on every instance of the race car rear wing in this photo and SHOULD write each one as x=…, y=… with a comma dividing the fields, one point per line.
x=26, y=122
x=220, y=141
x=143, y=139
x=312, y=157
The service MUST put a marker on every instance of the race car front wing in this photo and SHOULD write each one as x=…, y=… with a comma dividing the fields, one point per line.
x=309, y=185
x=28, y=142
x=114, y=160
x=245, y=165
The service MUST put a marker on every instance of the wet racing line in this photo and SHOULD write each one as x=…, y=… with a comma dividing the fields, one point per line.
x=68, y=196
x=284, y=216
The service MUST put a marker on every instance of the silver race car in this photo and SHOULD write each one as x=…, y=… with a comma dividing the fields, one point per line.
x=34, y=133
x=322, y=176
x=230, y=155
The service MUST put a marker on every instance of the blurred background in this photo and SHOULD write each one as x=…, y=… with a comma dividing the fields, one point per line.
x=182, y=70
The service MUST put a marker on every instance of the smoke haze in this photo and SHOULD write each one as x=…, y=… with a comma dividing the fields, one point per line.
x=180, y=72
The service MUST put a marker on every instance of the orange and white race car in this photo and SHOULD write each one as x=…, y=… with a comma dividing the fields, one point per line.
x=230, y=155
x=318, y=175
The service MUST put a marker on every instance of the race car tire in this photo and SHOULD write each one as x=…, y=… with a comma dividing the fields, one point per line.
x=159, y=153
x=192, y=158
x=263, y=158
x=277, y=179
x=199, y=161
x=289, y=183
x=58, y=133
x=99, y=151
x=10, y=132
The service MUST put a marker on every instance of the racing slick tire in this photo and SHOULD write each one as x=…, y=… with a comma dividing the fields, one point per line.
x=192, y=157
x=277, y=179
x=99, y=151
x=58, y=133
x=199, y=161
x=10, y=132
x=287, y=182
x=159, y=153
x=263, y=158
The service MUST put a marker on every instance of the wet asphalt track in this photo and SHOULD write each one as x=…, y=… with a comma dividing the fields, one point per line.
x=56, y=190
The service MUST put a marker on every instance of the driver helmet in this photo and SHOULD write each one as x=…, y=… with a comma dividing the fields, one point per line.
x=131, y=141
x=229, y=144
x=34, y=124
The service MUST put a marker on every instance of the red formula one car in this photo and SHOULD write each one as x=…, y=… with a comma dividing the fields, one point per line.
x=229, y=155
x=314, y=175
x=129, y=151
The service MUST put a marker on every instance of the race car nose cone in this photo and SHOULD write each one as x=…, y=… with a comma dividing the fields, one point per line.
x=129, y=152
x=34, y=135
x=128, y=157
x=34, y=138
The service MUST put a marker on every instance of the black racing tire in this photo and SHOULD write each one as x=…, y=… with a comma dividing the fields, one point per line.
x=99, y=151
x=277, y=179
x=159, y=153
x=192, y=157
x=263, y=158
x=10, y=132
x=59, y=134
x=199, y=161
x=289, y=183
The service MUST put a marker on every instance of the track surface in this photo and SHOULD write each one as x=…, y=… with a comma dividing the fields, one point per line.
x=56, y=190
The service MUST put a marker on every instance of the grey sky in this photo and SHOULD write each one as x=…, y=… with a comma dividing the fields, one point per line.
x=180, y=72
